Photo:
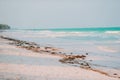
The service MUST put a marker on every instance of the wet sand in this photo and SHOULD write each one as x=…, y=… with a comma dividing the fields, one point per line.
x=22, y=64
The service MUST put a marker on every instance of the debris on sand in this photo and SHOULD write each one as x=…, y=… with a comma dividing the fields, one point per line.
x=78, y=60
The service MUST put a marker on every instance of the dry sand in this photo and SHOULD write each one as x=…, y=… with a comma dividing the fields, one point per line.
x=20, y=64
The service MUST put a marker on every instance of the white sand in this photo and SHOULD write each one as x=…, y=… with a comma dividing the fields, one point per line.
x=106, y=49
x=21, y=64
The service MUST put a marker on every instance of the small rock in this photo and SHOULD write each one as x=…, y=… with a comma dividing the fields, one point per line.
x=90, y=60
x=81, y=63
x=53, y=52
x=115, y=74
x=60, y=52
x=86, y=53
x=47, y=51
x=71, y=53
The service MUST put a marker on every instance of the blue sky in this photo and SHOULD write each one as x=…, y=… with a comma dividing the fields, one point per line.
x=60, y=13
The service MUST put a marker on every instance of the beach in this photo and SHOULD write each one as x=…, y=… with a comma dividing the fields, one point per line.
x=60, y=40
x=21, y=64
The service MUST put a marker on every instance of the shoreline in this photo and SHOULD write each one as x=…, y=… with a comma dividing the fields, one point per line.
x=67, y=59
x=49, y=50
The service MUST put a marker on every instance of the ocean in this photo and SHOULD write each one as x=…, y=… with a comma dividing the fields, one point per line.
x=72, y=39
x=99, y=42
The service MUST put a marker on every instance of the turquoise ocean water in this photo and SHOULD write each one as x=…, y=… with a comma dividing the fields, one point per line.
x=100, y=29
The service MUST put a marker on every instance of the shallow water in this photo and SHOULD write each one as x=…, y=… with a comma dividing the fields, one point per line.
x=75, y=39
x=97, y=42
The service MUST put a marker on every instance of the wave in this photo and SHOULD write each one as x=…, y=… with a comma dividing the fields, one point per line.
x=55, y=34
x=113, y=32
x=73, y=34
x=48, y=33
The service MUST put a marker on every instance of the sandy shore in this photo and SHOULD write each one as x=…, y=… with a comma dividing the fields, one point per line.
x=21, y=64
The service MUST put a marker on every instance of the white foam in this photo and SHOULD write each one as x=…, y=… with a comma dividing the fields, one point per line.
x=113, y=32
x=62, y=34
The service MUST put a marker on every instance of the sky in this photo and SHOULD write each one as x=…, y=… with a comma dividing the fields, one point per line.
x=60, y=13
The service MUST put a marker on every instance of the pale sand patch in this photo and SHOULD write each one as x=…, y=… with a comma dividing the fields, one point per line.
x=106, y=49
x=53, y=72
x=42, y=66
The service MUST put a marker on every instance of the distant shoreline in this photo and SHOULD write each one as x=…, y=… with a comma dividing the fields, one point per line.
x=4, y=26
